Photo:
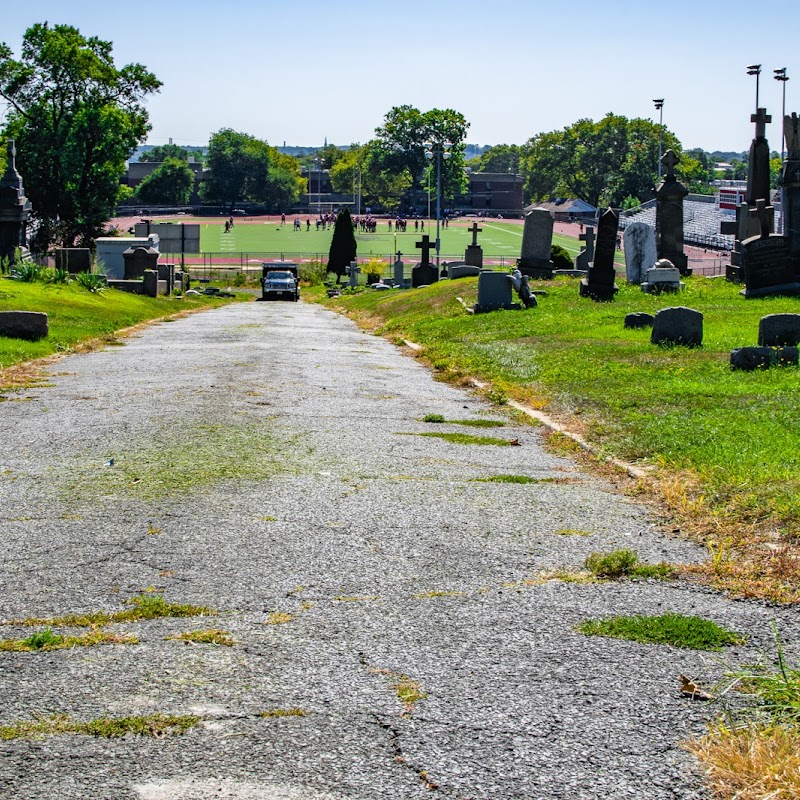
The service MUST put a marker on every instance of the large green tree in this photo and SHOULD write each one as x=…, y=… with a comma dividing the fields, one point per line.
x=244, y=168
x=400, y=146
x=170, y=183
x=501, y=158
x=362, y=165
x=76, y=119
x=600, y=162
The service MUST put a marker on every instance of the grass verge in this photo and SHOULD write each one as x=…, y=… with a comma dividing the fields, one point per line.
x=466, y=438
x=77, y=317
x=677, y=630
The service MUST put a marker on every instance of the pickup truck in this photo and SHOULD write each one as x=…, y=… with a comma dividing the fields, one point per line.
x=279, y=281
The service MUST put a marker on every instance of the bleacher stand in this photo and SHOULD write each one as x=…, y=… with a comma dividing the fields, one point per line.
x=701, y=220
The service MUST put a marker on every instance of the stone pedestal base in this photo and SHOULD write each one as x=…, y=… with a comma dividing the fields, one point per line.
x=536, y=268
x=473, y=255
x=597, y=291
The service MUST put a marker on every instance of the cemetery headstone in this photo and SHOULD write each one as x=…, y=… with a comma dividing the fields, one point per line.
x=353, y=271
x=752, y=358
x=746, y=225
x=790, y=186
x=599, y=281
x=640, y=251
x=399, y=270
x=30, y=325
x=678, y=325
x=664, y=276
x=494, y=292
x=639, y=319
x=537, y=241
x=584, y=259
x=73, y=259
x=473, y=255
x=139, y=259
x=455, y=271
x=779, y=330
x=424, y=273
x=766, y=266
x=150, y=282
x=669, y=216
x=15, y=209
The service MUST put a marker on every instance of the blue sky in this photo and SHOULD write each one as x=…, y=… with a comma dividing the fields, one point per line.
x=302, y=71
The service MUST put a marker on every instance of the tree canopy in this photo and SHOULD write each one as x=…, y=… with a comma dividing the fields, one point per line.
x=600, y=162
x=170, y=183
x=161, y=152
x=76, y=119
x=244, y=168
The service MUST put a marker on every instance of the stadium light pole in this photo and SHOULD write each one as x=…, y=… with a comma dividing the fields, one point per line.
x=755, y=69
x=441, y=150
x=659, y=103
x=780, y=75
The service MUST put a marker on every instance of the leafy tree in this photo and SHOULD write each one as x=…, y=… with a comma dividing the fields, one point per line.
x=170, y=183
x=76, y=119
x=161, y=152
x=600, y=162
x=245, y=168
x=501, y=158
x=343, y=244
x=399, y=147
x=379, y=186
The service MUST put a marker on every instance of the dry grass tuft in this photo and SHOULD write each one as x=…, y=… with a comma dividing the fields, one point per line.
x=750, y=763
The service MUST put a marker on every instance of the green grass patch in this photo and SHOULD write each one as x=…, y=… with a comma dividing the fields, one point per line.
x=143, y=607
x=466, y=438
x=186, y=460
x=156, y=725
x=625, y=563
x=211, y=636
x=519, y=479
x=677, y=630
x=471, y=423
x=47, y=640
x=294, y=711
x=76, y=316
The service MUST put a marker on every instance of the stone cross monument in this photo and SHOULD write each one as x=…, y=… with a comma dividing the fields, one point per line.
x=424, y=273
x=15, y=208
x=669, y=216
x=584, y=259
x=473, y=255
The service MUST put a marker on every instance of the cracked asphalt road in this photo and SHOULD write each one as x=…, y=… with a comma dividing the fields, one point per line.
x=264, y=459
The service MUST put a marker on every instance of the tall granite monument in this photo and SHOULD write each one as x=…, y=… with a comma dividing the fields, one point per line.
x=15, y=209
x=473, y=255
x=747, y=224
x=599, y=281
x=790, y=183
x=537, y=241
x=669, y=216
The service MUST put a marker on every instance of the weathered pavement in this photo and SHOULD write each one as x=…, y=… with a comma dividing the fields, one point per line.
x=387, y=558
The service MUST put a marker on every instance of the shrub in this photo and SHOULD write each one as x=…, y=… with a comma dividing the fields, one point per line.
x=560, y=257
x=28, y=272
x=91, y=282
x=57, y=275
x=312, y=273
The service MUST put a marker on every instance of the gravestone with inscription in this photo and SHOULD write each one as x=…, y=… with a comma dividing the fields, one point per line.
x=584, y=259
x=494, y=292
x=398, y=270
x=766, y=265
x=599, y=281
x=669, y=216
x=15, y=209
x=473, y=255
x=537, y=241
x=640, y=251
x=139, y=259
x=424, y=273
x=353, y=271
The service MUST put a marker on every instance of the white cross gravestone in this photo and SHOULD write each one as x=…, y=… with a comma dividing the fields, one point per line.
x=353, y=271
x=586, y=255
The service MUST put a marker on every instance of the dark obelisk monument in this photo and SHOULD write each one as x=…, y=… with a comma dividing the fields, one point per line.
x=669, y=216
x=15, y=209
x=790, y=183
x=747, y=223
x=599, y=281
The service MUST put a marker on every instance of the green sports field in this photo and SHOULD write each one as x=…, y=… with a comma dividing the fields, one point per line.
x=499, y=240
